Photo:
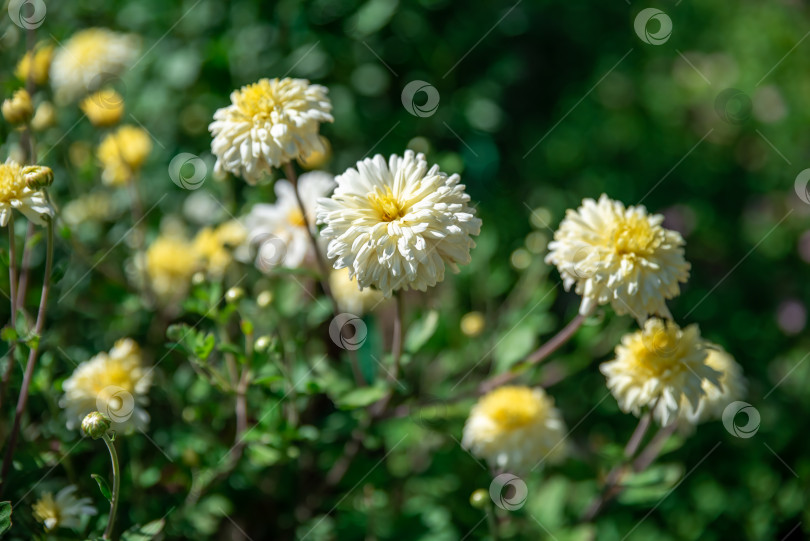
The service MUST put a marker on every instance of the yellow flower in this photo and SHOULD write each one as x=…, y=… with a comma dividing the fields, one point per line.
x=268, y=124
x=16, y=193
x=516, y=429
x=318, y=158
x=662, y=367
x=214, y=246
x=170, y=262
x=114, y=383
x=64, y=511
x=122, y=153
x=349, y=296
x=44, y=117
x=620, y=256
x=103, y=108
x=473, y=324
x=42, y=55
x=18, y=108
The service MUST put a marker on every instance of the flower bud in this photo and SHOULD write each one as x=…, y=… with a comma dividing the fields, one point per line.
x=234, y=294
x=44, y=117
x=95, y=424
x=264, y=299
x=37, y=176
x=478, y=499
x=18, y=109
x=261, y=344
x=104, y=108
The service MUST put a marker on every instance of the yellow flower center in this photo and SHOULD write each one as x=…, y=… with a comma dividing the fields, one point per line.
x=115, y=375
x=387, y=205
x=296, y=218
x=660, y=351
x=511, y=407
x=12, y=182
x=634, y=236
x=47, y=512
x=259, y=100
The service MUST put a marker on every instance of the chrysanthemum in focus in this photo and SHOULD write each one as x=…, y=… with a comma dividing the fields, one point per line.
x=88, y=58
x=279, y=230
x=620, y=256
x=732, y=387
x=114, y=383
x=661, y=366
x=215, y=246
x=268, y=124
x=39, y=61
x=103, y=108
x=16, y=193
x=63, y=511
x=515, y=429
x=396, y=225
x=122, y=154
x=349, y=296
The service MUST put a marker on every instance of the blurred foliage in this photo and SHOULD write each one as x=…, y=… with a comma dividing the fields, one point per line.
x=541, y=104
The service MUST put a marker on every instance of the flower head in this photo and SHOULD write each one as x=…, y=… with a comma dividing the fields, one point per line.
x=515, y=428
x=63, y=511
x=115, y=384
x=662, y=367
x=39, y=61
x=280, y=230
x=89, y=58
x=349, y=296
x=732, y=386
x=396, y=225
x=268, y=124
x=214, y=246
x=18, y=108
x=16, y=193
x=103, y=108
x=620, y=256
x=170, y=262
x=122, y=154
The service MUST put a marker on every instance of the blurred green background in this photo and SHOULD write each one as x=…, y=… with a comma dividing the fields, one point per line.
x=541, y=104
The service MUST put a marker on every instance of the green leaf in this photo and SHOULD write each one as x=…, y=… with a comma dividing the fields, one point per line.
x=144, y=533
x=5, y=517
x=204, y=345
x=515, y=344
x=32, y=341
x=263, y=455
x=651, y=484
x=359, y=398
x=103, y=486
x=9, y=334
x=421, y=331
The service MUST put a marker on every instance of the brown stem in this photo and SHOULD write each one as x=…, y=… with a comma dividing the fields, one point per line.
x=638, y=435
x=537, y=356
x=650, y=453
x=32, y=360
x=12, y=285
x=22, y=289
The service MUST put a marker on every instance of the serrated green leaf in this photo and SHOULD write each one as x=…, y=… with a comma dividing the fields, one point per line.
x=5, y=517
x=204, y=345
x=103, y=486
x=421, y=331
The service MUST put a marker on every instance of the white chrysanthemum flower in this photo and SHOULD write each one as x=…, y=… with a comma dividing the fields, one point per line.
x=620, y=256
x=515, y=429
x=116, y=384
x=15, y=193
x=63, y=511
x=349, y=296
x=268, y=124
x=661, y=366
x=89, y=58
x=279, y=230
x=732, y=386
x=396, y=225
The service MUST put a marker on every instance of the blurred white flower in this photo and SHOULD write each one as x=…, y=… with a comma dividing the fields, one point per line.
x=349, y=296
x=279, y=230
x=515, y=428
x=620, y=256
x=396, y=225
x=88, y=58
x=268, y=124
x=661, y=366
x=116, y=384
x=63, y=511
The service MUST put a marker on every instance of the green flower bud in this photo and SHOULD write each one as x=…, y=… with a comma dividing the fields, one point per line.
x=95, y=424
x=262, y=343
x=479, y=498
x=37, y=176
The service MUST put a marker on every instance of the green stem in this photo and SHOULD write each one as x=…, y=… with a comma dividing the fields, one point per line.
x=115, y=488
